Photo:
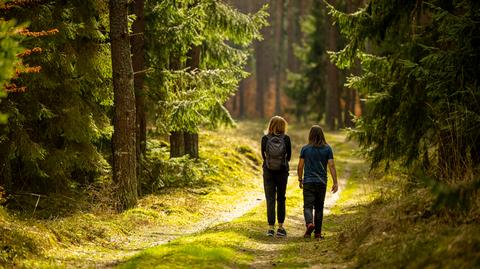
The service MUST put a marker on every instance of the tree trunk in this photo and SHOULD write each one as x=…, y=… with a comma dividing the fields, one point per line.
x=138, y=63
x=333, y=77
x=264, y=63
x=282, y=7
x=124, y=146
x=191, y=144
x=177, y=144
x=191, y=138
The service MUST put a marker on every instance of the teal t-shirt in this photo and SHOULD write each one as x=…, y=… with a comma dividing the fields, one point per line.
x=316, y=161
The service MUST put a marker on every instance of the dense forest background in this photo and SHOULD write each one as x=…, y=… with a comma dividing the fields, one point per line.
x=290, y=70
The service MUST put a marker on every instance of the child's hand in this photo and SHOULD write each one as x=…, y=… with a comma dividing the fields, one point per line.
x=334, y=187
x=300, y=183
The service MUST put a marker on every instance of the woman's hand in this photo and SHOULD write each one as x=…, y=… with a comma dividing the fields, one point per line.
x=335, y=187
x=300, y=183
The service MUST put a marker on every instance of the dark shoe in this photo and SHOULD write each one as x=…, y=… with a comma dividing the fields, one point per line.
x=270, y=233
x=319, y=236
x=281, y=232
x=308, y=232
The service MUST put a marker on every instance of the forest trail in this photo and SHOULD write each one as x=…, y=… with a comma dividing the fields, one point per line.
x=147, y=237
x=241, y=242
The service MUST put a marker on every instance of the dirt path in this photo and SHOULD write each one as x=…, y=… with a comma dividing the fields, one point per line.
x=272, y=250
x=240, y=240
x=148, y=237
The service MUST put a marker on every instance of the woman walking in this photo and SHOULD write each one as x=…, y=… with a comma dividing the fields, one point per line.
x=312, y=177
x=276, y=153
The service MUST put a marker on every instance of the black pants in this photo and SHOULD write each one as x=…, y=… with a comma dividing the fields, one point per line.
x=275, y=185
x=314, y=197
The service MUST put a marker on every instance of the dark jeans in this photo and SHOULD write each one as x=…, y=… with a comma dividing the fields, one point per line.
x=314, y=197
x=275, y=185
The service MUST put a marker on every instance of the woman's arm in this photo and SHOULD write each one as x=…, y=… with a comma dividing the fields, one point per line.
x=263, y=146
x=301, y=163
x=288, y=145
x=333, y=172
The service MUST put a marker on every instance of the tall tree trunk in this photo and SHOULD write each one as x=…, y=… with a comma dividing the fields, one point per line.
x=191, y=138
x=264, y=63
x=333, y=79
x=124, y=146
x=294, y=32
x=138, y=63
x=282, y=54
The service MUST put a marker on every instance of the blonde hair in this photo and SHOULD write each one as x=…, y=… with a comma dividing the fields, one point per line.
x=277, y=125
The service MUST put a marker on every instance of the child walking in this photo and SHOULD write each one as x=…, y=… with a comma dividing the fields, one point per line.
x=276, y=153
x=312, y=177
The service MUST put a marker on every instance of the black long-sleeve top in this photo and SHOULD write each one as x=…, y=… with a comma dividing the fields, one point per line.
x=288, y=146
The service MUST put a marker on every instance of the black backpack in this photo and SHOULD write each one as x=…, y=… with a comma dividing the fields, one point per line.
x=275, y=152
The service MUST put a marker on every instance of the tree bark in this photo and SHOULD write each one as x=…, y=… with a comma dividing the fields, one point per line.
x=333, y=77
x=191, y=144
x=177, y=144
x=138, y=63
x=124, y=131
x=281, y=32
x=264, y=63
x=191, y=138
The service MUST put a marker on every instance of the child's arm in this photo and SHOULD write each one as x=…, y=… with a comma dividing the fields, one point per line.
x=333, y=172
x=301, y=163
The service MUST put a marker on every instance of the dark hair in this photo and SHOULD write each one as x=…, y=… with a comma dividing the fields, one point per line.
x=316, y=137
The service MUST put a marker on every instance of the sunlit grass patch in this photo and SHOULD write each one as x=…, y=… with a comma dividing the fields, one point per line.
x=207, y=250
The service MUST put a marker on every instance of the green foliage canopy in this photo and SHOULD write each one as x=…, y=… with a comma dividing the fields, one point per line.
x=184, y=99
x=420, y=64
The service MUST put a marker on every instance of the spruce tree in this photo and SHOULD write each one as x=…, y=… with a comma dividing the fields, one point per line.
x=187, y=98
x=420, y=72
x=58, y=126
x=9, y=60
